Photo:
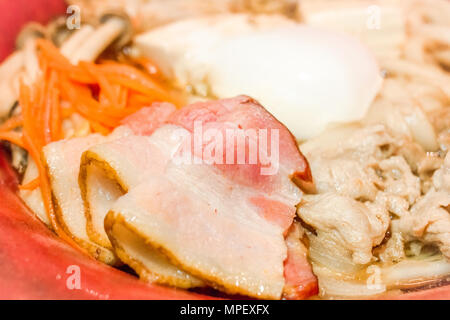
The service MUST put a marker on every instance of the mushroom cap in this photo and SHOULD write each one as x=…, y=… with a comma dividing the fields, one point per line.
x=127, y=33
x=30, y=31
x=58, y=31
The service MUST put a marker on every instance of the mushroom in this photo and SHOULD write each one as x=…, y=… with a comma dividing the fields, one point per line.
x=127, y=32
x=115, y=29
x=8, y=70
x=26, y=42
x=23, y=57
x=75, y=40
x=30, y=31
x=58, y=32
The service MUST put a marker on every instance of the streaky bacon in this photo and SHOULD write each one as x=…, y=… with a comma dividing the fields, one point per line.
x=301, y=282
x=243, y=112
x=220, y=188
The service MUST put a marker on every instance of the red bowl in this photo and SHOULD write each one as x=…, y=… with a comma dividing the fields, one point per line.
x=34, y=263
x=14, y=14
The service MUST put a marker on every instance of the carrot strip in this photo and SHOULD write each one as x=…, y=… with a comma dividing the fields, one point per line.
x=123, y=96
x=46, y=112
x=33, y=184
x=13, y=137
x=87, y=106
x=97, y=127
x=56, y=60
x=56, y=122
x=51, y=52
x=137, y=99
x=102, y=81
x=143, y=88
x=150, y=66
x=11, y=123
x=44, y=183
x=131, y=73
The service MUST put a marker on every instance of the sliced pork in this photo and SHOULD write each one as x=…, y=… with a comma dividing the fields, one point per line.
x=429, y=218
x=270, y=173
x=111, y=169
x=301, y=283
x=171, y=207
x=63, y=163
x=205, y=225
x=349, y=224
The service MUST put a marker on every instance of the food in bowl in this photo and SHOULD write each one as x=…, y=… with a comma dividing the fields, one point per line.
x=268, y=152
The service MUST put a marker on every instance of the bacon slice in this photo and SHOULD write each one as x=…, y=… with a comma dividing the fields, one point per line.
x=107, y=172
x=63, y=165
x=240, y=213
x=145, y=121
x=204, y=224
x=244, y=113
x=272, y=175
x=300, y=280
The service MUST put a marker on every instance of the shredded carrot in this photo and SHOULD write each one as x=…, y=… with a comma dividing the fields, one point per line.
x=67, y=109
x=55, y=116
x=137, y=99
x=149, y=65
x=13, y=137
x=51, y=55
x=105, y=85
x=102, y=93
x=33, y=184
x=11, y=123
x=97, y=127
x=123, y=96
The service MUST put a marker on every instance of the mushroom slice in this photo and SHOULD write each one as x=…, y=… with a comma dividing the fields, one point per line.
x=100, y=39
x=9, y=69
x=75, y=40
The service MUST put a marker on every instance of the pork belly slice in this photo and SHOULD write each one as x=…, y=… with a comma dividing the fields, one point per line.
x=175, y=208
x=279, y=162
x=204, y=223
x=146, y=120
x=243, y=113
x=301, y=282
x=63, y=164
x=107, y=172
